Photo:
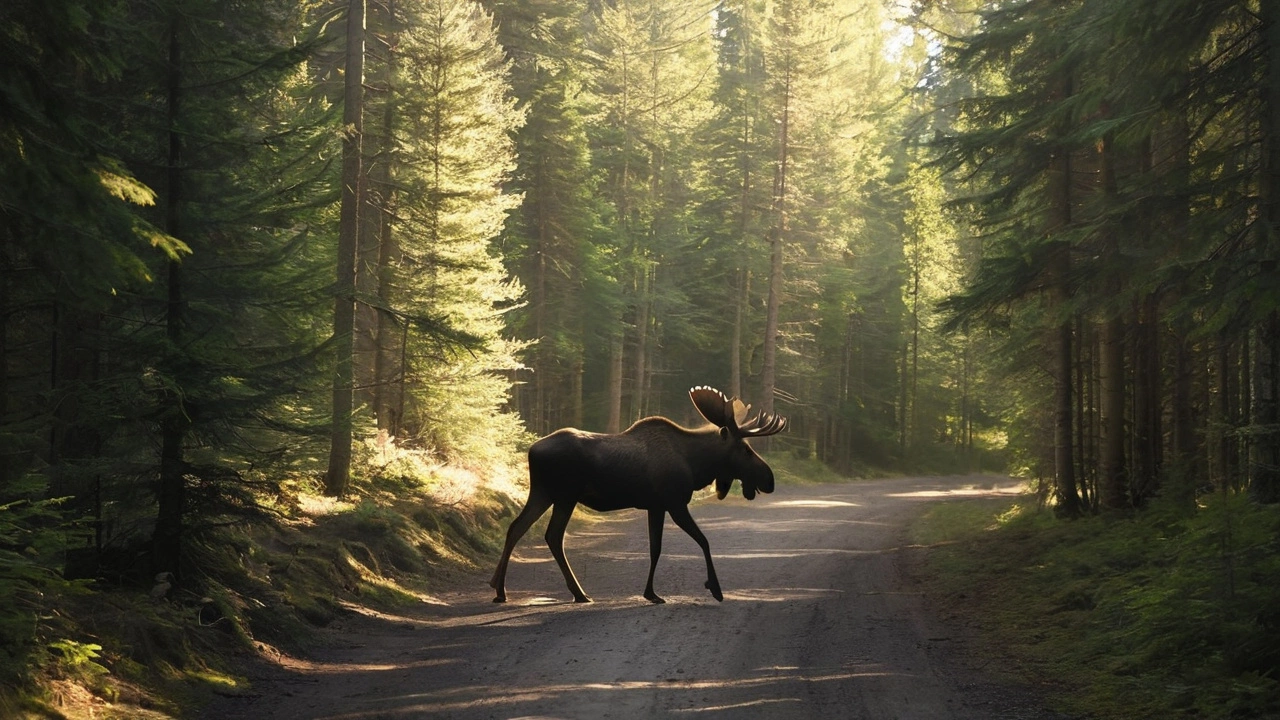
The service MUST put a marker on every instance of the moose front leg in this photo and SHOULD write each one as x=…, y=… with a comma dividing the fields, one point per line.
x=534, y=507
x=685, y=522
x=656, y=520
x=560, y=514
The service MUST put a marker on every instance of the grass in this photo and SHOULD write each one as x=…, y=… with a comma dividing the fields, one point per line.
x=1167, y=614
x=116, y=652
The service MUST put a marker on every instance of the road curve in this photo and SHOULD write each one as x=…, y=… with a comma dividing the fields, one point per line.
x=818, y=621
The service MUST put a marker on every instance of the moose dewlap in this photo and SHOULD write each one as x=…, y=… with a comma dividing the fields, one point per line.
x=654, y=465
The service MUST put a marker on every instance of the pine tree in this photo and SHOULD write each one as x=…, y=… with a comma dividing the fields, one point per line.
x=220, y=340
x=453, y=153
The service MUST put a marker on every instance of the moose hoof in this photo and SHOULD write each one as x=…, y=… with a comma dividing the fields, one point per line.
x=653, y=598
x=500, y=599
x=715, y=591
x=582, y=599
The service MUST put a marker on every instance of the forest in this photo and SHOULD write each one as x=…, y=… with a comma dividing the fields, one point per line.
x=253, y=251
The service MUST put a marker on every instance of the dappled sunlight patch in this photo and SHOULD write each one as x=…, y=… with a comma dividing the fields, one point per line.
x=531, y=559
x=303, y=666
x=817, y=503
x=738, y=706
x=394, y=617
x=791, y=553
x=995, y=490
x=787, y=554
x=780, y=595
x=473, y=697
x=322, y=505
x=787, y=526
x=1013, y=513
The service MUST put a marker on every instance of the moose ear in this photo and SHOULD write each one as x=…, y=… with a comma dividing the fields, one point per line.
x=712, y=404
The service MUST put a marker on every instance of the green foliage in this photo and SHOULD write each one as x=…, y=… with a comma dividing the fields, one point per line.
x=787, y=468
x=33, y=630
x=1165, y=615
x=451, y=121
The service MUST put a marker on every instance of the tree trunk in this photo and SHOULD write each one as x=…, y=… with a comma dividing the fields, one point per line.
x=639, y=401
x=1222, y=420
x=1059, y=218
x=1264, y=450
x=1067, y=494
x=375, y=191
x=1264, y=454
x=576, y=418
x=614, y=421
x=382, y=208
x=339, y=473
x=167, y=537
x=1182, y=403
x=740, y=301
x=1114, y=493
x=1148, y=427
x=387, y=373
x=1171, y=163
x=8, y=459
x=769, y=368
x=1084, y=354
x=913, y=417
x=904, y=398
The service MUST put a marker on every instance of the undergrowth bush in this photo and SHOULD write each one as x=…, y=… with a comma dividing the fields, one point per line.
x=1165, y=614
x=31, y=552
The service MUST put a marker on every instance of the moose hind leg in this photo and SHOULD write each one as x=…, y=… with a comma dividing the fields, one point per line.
x=560, y=515
x=685, y=522
x=656, y=520
x=534, y=507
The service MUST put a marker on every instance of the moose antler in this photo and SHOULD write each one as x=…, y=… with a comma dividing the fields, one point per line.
x=732, y=414
x=762, y=425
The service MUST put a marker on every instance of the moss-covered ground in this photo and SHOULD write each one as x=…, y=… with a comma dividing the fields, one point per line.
x=1162, y=613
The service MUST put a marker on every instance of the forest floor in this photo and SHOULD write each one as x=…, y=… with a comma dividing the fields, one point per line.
x=824, y=616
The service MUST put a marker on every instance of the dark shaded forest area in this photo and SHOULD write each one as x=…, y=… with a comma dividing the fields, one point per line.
x=262, y=254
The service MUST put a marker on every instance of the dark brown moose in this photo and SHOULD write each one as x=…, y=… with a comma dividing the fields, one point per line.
x=653, y=465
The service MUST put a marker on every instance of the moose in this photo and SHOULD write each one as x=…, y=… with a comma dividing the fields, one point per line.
x=654, y=465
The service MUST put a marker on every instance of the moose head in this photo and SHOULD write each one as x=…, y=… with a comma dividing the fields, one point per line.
x=741, y=462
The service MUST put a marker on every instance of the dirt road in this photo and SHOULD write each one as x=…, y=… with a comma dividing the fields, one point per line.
x=818, y=621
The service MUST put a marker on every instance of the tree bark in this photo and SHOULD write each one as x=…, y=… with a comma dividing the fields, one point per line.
x=1059, y=218
x=1264, y=454
x=374, y=217
x=167, y=537
x=639, y=399
x=1114, y=493
x=1148, y=386
x=735, y=341
x=614, y=420
x=339, y=474
x=386, y=371
x=769, y=368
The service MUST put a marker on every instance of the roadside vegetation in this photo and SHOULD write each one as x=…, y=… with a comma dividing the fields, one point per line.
x=117, y=650
x=1158, y=614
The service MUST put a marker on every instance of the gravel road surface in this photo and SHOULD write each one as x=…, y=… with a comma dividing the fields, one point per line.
x=820, y=620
